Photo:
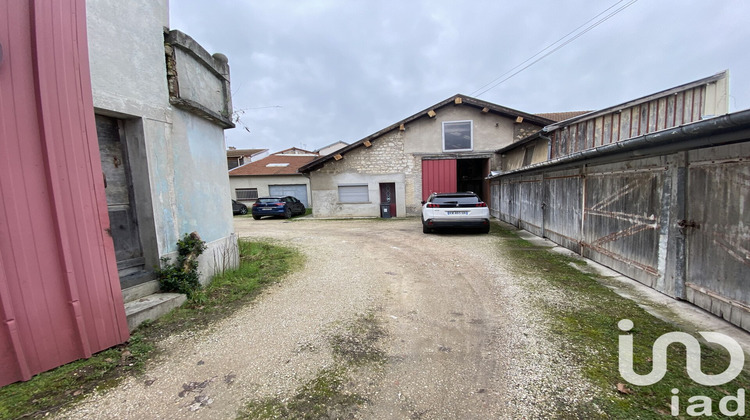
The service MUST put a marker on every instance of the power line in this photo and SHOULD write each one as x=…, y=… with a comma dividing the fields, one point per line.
x=578, y=35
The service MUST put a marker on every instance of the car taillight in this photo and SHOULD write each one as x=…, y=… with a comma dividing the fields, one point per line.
x=432, y=206
x=256, y=204
x=481, y=204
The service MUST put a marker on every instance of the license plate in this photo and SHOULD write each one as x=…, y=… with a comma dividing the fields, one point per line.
x=458, y=213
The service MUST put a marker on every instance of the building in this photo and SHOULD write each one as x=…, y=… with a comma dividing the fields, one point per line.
x=654, y=188
x=449, y=146
x=327, y=150
x=275, y=175
x=128, y=155
x=238, y=157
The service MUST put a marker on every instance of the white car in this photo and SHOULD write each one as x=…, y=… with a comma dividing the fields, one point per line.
x=455, y=210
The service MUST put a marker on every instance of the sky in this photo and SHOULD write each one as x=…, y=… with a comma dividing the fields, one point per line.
x=310, y=73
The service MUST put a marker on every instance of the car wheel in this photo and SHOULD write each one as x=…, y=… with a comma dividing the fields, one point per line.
x=256, y=217
x=425, y=229
x=243, y=210
x=287, y=213
x=486, y=230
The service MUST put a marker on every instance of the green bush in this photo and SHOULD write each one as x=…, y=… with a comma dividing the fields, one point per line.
x=182, y=275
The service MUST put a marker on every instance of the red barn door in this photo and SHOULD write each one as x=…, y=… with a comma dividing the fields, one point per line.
x=438, y=176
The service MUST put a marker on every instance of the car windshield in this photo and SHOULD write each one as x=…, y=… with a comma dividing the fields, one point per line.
x=467, y=199
x=269, y=200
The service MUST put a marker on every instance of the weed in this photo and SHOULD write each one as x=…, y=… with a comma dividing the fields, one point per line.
x=182, y=275
x=587, y=331
x=326, y=396
x=323, y=397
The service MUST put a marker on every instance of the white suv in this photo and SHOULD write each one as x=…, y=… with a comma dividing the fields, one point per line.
x=455, y=210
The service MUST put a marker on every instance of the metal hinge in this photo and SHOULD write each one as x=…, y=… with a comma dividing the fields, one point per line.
x=684, y=224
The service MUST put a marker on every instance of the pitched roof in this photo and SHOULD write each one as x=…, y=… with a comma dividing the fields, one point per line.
x=562, y=116
x=455, y=99
x=244, y=152
x=276, y=164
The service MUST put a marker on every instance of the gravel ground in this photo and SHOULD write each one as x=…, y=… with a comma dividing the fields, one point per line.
x=463, y=337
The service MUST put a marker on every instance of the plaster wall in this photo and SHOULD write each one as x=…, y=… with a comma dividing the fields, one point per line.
x=262, y=183
x=197, y=83
x=397, y=156
x=126, y=54
x=178, y=159
x=491, y=131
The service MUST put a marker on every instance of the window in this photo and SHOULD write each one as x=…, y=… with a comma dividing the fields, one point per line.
x=354, y=194
x=528, y=155
x=246, y=194
x=458, y=136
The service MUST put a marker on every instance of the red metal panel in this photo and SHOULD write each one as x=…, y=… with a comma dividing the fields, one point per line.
x=438, y=176
x=59, y=293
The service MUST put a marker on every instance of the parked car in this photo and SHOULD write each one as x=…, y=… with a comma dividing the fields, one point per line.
x=455, y=210
x=285, y=207
x=238, y=208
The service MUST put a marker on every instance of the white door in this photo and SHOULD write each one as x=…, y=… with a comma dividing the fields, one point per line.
x=299, y=191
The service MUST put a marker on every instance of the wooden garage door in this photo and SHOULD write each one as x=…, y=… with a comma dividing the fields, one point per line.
x=438, y=176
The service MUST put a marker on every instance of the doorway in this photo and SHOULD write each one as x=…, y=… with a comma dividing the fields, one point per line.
x=388, y=196
x=118, y=187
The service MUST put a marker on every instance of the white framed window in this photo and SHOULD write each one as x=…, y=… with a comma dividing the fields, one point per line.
x=458, y=136
x=246, y=194
x=356, y=193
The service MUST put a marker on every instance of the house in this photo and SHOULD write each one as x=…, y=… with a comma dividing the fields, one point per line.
x=654, y=188
x=275, y=175
x=238, y=157
x=129, y=156
x=327, y=150
x=449, y=146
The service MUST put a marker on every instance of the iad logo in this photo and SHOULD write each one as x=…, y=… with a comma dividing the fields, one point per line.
x=693, y=364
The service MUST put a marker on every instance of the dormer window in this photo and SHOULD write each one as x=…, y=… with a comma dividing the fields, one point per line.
x=458, y=136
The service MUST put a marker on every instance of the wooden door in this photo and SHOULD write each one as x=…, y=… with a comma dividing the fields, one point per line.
x=119, y=191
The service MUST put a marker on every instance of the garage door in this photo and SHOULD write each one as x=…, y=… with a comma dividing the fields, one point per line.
x=438, y=176
x=299, y=191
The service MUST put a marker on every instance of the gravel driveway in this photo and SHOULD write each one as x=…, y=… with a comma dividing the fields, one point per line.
x=462, y=341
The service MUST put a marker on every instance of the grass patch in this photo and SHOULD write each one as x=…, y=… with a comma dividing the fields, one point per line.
x=323, y=397
x=357, y=343
x=587, y=331
x=261, y=264
x=328, y=394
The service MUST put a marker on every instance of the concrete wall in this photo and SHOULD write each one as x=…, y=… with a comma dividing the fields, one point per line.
x=675, y=222
x=178, y=157
x=397, y=156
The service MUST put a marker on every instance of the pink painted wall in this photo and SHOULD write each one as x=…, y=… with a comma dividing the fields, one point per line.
x=60, y=298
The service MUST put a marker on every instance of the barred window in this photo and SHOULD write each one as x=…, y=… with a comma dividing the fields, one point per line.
x=246, y=194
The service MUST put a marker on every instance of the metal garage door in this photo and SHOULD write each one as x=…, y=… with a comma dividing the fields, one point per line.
x=298, y=191
x=438, y=176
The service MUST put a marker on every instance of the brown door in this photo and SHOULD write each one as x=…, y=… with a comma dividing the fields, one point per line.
x=119, y=191
x=388, y=196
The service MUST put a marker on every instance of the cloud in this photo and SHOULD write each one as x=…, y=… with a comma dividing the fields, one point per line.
x=311, y=73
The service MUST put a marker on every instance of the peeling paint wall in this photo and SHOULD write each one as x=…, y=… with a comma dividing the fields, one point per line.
x=178, y=152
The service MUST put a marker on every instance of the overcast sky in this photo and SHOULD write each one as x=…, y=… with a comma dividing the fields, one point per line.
x=310, y=73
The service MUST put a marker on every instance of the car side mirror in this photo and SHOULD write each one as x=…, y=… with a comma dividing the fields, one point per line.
x=423, y=202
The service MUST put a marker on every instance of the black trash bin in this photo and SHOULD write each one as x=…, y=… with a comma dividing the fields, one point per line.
x=385, y=210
